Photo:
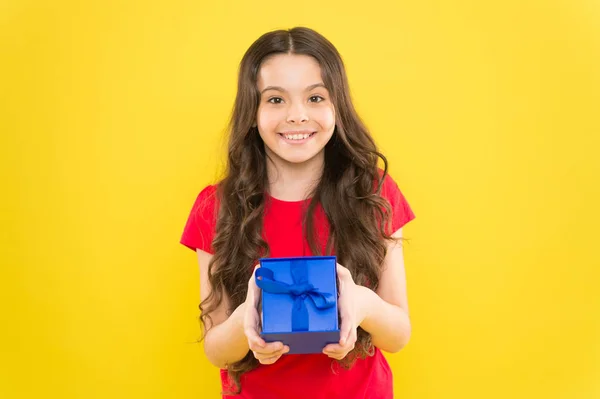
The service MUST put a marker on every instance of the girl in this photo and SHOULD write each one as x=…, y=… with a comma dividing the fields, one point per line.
x=302, y=179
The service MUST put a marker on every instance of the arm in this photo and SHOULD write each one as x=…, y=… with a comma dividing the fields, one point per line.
x=386, y=315
x=229, y=338
x=383, y=314
x=225, y=341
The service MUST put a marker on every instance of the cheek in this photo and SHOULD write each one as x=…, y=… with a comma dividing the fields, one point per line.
x=325, y=117
x=268, y=119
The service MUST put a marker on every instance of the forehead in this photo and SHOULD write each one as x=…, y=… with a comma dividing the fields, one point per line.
x=289, y=71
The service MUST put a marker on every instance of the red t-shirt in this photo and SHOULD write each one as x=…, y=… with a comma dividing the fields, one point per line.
x=311, y=376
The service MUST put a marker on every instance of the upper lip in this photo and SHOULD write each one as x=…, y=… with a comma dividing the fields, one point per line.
x=297, y=132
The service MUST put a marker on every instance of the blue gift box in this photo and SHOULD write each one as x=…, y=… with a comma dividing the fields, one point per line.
x=299, y=302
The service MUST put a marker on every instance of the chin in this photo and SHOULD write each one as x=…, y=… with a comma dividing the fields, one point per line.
x=297, y=159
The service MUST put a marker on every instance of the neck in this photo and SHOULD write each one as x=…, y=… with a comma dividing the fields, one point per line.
x=293, y=181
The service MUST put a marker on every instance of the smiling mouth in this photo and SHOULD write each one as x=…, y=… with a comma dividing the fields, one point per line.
x=296, y=137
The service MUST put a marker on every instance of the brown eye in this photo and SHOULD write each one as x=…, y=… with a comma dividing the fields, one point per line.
x=316, y=99
x=275, y=100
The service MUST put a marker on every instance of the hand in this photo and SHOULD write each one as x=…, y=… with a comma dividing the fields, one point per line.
x=266, y=353
x=350, y=313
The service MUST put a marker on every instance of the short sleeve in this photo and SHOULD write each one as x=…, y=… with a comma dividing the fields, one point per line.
x=401, y=210
x=199, y=229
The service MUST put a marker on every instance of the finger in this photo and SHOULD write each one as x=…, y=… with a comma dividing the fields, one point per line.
x=346, y=329
x=254, y=340
x=270, y=348
x=265, y=355
x=276, y=347
x=341, y=270
x=350, y=338
x=338, y=355
x=353, y=337
x=255, y=268
x=251, y=280
x=270, y=357
x=269, y=360
x=252, y=325
x=340, y=267
x=253, y=289
x=266, y=352
x=334, y=349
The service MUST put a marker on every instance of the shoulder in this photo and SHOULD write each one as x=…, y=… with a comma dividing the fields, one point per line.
x=389, y=187
x=209, y=191
x=402, y=212
x=200, y=226
x=206, y=201
x=206, y=206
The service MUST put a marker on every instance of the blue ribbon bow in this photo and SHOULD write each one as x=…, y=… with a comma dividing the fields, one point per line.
x=299, y=291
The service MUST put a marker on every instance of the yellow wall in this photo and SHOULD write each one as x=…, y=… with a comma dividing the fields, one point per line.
x=110, y=116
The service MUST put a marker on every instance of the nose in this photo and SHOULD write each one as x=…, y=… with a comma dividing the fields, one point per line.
x=297, y=114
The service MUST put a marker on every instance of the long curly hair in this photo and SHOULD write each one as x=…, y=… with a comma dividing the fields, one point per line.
x=348, y=191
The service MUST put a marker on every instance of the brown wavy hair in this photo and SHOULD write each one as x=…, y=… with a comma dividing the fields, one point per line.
x=348, y=191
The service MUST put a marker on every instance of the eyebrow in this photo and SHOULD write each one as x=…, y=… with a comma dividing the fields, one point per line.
x=309, y=88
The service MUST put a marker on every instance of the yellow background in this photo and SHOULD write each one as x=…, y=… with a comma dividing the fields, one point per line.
x=112, y=116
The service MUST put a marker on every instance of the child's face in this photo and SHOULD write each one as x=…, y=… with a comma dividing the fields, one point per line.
x=295, y=117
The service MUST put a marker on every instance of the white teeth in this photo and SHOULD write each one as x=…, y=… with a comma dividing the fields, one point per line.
x=297, y=136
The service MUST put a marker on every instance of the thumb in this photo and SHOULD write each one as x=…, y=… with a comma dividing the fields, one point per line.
x=253, y=289
x=251, y=282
